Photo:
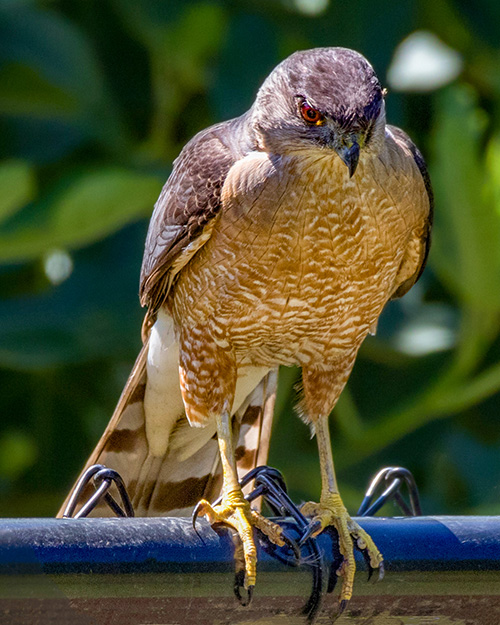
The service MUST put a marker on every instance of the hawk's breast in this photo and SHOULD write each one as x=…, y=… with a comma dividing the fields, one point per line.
x=302, y=260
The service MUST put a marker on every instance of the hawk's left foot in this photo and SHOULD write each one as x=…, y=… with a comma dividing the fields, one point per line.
x=331, y=512
x=234, y=511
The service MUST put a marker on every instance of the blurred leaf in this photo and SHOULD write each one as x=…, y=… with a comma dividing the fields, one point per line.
x=25, y=92
x=17, y=184
x=198, y=35
x=97, y=94
x=80, y=320
x=443, y=19
x=100, y=203
x=47, y=57
x=466, y=251
x=181, y=51
x=43, y=39
x=146, y=20
x=183, y=34
x=493, y=164
x=17, y=453
x=92, y=207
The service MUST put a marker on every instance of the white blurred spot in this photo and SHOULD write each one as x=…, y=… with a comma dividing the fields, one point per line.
x=422, y=62
x=418, y=341
x=431, y=328
x=311, y=7
x=58, y=266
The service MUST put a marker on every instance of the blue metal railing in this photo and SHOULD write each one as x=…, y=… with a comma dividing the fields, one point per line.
x=158, y=570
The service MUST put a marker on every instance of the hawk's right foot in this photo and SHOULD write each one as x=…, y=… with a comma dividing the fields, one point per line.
x=331, y=512
x=235, y=511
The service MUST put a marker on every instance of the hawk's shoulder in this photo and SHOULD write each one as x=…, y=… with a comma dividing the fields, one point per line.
x=404, y=142
x=189, y=201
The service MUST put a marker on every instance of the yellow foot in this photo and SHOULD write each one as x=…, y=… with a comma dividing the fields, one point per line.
x=331, y=512
x=234, y=511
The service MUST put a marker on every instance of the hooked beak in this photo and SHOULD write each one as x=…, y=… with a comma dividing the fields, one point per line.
x=350, y=156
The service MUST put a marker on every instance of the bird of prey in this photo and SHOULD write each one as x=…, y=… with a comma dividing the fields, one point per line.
x=277, y=240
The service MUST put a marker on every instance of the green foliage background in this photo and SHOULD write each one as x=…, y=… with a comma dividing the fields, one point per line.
x=96, y=99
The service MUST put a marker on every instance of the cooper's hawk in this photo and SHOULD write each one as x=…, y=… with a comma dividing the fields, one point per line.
x=277, y=240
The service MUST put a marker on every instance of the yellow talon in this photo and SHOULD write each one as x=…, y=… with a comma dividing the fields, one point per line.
x=332, y=512
x=234, y=511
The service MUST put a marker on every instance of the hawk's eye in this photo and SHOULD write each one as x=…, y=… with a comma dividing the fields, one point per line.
x=311, y=115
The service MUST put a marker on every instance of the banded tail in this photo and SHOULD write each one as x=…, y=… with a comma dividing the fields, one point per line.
x=171, y=485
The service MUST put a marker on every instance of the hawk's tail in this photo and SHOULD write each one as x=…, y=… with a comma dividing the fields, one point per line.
x=190, y=469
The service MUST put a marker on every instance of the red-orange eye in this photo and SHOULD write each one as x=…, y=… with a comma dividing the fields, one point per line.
x=311, y=115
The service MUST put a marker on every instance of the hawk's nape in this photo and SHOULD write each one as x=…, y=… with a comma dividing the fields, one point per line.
x=277, y=240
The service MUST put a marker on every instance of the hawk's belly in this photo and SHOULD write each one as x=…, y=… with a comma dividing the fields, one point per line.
x=293, y=280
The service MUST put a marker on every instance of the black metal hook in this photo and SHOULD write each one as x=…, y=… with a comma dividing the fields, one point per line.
x=103, y=478
x=395, y=477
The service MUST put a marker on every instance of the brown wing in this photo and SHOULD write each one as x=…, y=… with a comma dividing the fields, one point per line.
x=181, y=224
x=402, y=139
x=187, y=206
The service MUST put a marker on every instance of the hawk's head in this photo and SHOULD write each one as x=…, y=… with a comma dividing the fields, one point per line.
x=325, y=98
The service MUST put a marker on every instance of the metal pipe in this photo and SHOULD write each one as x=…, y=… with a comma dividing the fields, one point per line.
x=158, y=571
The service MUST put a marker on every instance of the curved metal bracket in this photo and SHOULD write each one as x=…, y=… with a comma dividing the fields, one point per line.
x=394, y=478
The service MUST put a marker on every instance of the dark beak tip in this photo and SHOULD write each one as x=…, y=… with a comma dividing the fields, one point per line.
x=352, y=159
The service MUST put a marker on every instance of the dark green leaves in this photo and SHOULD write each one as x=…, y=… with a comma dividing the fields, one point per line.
x=17, y=187
x=90, y=207
x=466, y=178
x=96, y=100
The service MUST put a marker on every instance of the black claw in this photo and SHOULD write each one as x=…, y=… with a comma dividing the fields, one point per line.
x=337, y=559
x=194, y=518
x=334, y=575
x=293, y=546
x=250, y=595
x=366, y=557
x=370, y=568
x=238, y=584
x=381, y=571
x=342, y=606
x=311, y=529
x=332, y=580
x=239, y=580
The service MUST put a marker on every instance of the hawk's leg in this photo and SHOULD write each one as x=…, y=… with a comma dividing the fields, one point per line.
x=330, y=511
x=208, y=376
x=234, y=511
x=322, y=388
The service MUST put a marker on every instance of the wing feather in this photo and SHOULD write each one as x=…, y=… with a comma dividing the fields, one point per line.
x=187, y=207
x=423, y=244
